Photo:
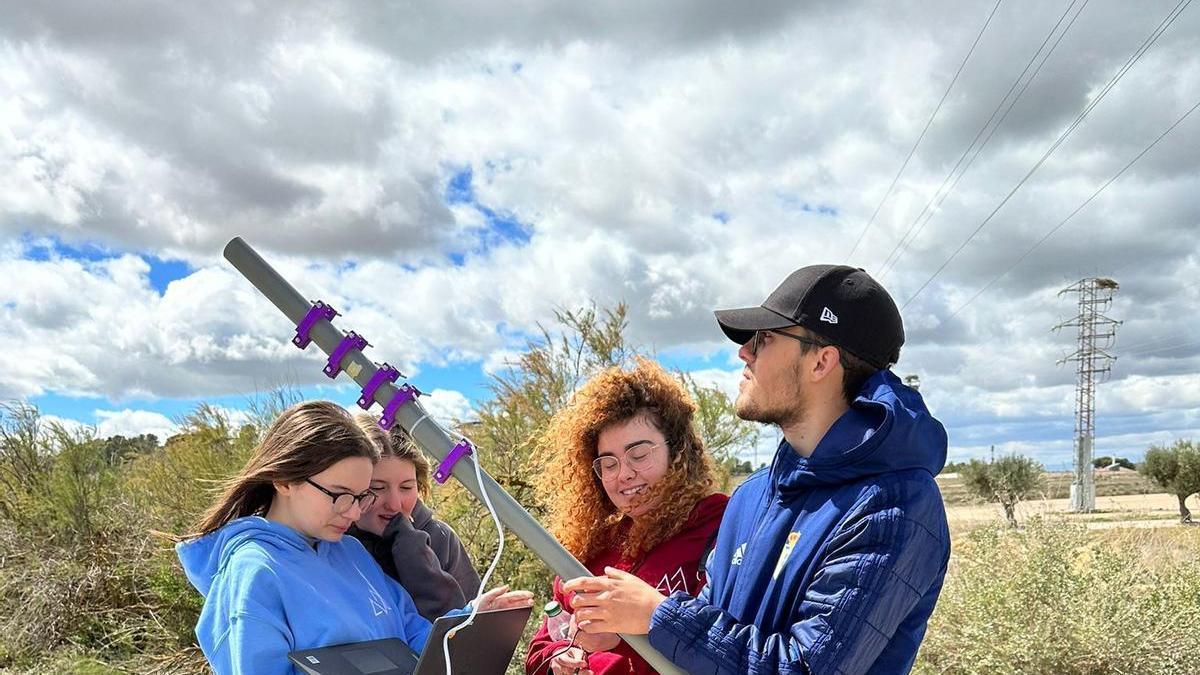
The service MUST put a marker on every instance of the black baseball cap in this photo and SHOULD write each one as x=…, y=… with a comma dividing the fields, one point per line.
x=842, y=304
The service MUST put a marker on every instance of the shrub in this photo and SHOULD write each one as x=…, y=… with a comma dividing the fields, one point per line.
x=1177, y=469
x=26, y=464
x=170, y=488
x=1106, y=461
x=1007, y=480
x=81, y=575
x=1055, y=598
x=724, y=433
x=113, y=595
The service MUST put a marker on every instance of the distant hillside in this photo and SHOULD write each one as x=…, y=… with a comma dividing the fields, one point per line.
x=1058, y=485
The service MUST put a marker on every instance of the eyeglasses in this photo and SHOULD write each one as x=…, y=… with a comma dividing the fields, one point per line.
x=639, y=458
x=756, y=341
x=342, y=501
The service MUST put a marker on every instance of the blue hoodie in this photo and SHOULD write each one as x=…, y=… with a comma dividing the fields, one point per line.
x=826, y=564
x=268, y=592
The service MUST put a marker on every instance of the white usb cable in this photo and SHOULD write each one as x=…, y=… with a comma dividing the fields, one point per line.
x=483, y=584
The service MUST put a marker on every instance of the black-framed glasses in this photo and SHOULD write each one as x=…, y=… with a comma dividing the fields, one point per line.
x=343, y=501
x=639, y=458
x=756, y=341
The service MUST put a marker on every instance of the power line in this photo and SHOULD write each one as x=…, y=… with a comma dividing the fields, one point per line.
x=1138, y=346
x=1071, y=215
x=1160, y=349
x=1133, y=59
x=938, y=195
x=923, y=131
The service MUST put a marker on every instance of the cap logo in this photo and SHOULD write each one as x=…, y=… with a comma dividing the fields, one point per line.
x=828, y=316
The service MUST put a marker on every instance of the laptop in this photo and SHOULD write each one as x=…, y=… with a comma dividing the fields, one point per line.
x=483, y=648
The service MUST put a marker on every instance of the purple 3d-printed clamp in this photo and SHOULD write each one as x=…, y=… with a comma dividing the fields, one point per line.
x=351, y=341
x=385, y=373
x=319, y=310
x=405, y=393
x=456, y=453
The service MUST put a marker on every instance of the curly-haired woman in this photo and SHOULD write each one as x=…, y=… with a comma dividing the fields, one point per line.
x=629, y=486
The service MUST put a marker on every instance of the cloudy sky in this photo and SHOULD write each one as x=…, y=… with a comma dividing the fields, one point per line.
x=448, y=173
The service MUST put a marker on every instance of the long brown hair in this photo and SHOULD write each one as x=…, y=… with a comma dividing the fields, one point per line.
x=303, y=441
x=397, y=443
x=581, y=515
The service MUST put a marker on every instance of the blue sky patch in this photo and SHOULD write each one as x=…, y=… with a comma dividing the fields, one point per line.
x=163, y=272
x=70, y=407
x=43, y=249
x=689, y=361
x=804, y=206
x=466, y=377
x=459, y=190
x=501, y=227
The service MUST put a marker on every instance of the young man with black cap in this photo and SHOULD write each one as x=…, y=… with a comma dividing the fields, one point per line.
x=831, y=560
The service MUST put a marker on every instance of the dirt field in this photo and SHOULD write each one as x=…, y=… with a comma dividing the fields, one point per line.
x=1057, y=485
x=1123, y=499
x=1153, y=510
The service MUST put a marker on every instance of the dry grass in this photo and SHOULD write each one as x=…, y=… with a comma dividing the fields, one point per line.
x=1057, y=598
x=116, y=601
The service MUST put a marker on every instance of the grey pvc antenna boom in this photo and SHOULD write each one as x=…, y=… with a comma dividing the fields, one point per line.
x=429, y=436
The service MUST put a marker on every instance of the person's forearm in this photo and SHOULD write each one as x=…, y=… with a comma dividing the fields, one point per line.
x=701, y=638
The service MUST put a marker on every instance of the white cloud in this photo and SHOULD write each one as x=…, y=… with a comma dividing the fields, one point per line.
x=71, y=426
x=447, y=406
x=131, y=423
x=679, y=177
x=500, y=360
x=724, y=380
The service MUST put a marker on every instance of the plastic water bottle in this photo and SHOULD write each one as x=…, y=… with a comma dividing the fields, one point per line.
x=558, y=621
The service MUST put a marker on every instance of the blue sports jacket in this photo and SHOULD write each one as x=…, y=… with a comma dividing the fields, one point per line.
x=826, y=564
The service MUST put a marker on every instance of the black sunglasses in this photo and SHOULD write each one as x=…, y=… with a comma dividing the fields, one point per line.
x=756, y=341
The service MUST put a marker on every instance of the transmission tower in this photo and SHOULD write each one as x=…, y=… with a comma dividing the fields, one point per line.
x=1096, y=334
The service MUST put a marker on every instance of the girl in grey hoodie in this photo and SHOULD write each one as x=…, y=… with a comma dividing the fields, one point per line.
x=416, y=549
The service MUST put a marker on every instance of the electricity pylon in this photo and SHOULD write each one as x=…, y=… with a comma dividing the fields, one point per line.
x=1097, y=333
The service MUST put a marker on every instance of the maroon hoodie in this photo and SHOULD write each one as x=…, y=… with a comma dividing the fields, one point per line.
x=673, y=565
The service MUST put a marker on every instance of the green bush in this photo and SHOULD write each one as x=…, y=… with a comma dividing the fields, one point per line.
x=172, y=487
x=1058, y=599
x=26, y=466
x=1007, y=480
x=83, y=580
x=1177, y=469
x=118, y=596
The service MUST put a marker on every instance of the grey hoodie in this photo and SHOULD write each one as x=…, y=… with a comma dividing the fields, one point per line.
x=427, y=558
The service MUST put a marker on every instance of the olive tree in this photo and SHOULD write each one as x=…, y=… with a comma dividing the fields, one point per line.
x=1177, y=469
x=1007, y=480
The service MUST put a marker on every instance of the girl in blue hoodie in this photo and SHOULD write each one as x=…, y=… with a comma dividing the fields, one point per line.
x=271, y=562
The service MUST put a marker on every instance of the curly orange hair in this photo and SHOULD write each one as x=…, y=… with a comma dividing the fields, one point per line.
x=581, y=515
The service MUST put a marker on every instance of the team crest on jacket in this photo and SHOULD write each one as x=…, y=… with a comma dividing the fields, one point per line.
x=792, y=538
